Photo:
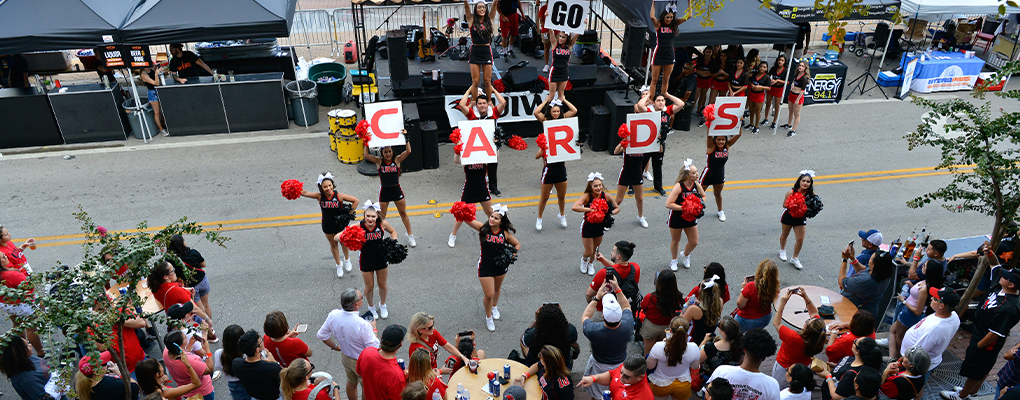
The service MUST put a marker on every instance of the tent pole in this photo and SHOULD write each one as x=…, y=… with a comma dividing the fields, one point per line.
x=138, y=107
x=888, y=40
x=298, y=84
x=789, y=67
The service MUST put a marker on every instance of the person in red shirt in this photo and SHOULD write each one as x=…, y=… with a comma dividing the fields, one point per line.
x=619, y=260
x=797, y=348
x=382, y=377
x=713, y=269
x=133, y=352
x=659, y=308
x=168, y=290
x=904, y=379
x=840, y=345
x=626, y=382
x=281, y=341
x=296, y=382
x=15, y=252
x=422, y=334
x=13, y=277
x=754, y=305
x=420, y=369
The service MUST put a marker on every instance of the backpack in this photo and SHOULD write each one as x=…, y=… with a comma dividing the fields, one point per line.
x=630, y=290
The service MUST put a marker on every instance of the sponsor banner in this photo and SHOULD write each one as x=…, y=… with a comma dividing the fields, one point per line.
x=908, y=77
x=825, y=88
x=520, y=107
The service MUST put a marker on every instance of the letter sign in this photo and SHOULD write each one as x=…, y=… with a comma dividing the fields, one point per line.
x=567, y=15
x=728, y=111
x=385, y=121
x=644, y=132
x=476, y=136
x=561, y=135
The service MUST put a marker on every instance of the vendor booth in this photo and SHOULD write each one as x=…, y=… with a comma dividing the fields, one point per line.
x=804, y=10
x=944, y=72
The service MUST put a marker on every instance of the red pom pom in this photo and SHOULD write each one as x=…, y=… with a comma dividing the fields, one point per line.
x=455, y=136
x=498, y=85
x=463, y=212
x=362, y=131
x=517, y=143
x=709, y=114
x=542, y=142
x=595, y=217
x=458, y=148
x=691, y=207
x=600, y=205
x=291, y=188
x=624, y=131
x=569, y=86
x=352, y=237
x=625, y=143
x=545, y=82
x=795, y=205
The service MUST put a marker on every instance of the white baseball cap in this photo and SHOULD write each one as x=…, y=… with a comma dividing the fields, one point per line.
x=611, y=310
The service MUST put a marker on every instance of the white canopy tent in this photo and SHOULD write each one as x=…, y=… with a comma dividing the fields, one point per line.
x=920, y=8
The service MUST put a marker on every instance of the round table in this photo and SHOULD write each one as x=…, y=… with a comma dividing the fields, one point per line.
x=475, y=382
x=845, y=309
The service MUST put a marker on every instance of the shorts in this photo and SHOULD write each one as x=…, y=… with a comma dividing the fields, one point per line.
x=351, y=368
x=677, y=222
x=511, y=27
x=202, y=288
x=473, y=195
x=153, y=96
x=590, y=230
x=558, y=74
x=390, y=193
x=18, y=310
x=979, y=362
x=554, y=173
x=650, y=331
x=790, y=220
x=907, y=318
x=630, y=178
x=663, y=56
x=481, y=54
x=678, y=390
x=721, y=86
x=756, y=97
x=594, y=368
x=487, y=270
x=776, y=92
x=793, y=99
x=747, y=324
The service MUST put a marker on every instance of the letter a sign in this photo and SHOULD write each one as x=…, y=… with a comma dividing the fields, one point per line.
x=478, y=143
x=644, y=130
x=567, y=15
x=385, y=120
x=561, y=135
x=728, y=111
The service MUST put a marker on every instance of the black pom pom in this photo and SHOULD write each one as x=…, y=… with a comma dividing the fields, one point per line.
x=346, y=215
x=608, y=220
x=814, y=205
x=501, y=137
x=506, y=256
x=393, y=252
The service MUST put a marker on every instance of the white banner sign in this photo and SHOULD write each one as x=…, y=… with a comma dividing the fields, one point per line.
x=567, y=15
x=644, y=130
x=520, y=107
x=561, y=135
x=728, y=111
x=385, y=120
x=908, y=77
x=477, y=137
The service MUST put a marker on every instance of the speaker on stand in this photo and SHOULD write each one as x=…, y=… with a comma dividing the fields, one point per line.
x=429, y=145
x=633, y=46
x=620, y=103
x=413, y=125
x=396, y=42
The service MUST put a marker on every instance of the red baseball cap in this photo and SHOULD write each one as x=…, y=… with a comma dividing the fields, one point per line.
x=86, y=368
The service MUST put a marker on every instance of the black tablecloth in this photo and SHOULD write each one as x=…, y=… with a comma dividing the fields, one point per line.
x=827, y=83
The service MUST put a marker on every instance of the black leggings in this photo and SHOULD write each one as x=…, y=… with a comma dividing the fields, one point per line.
x=490, y=171
x=656, y=167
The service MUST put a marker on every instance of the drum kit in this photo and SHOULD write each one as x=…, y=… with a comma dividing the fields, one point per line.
x=342, y=139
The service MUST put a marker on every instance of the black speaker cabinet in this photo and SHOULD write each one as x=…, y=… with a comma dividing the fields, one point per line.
x=429, y=145
x=620, y=104
x=598, y=128
x=456, y=82
x=633, y=45
x=396, y=43
x=682, y=120
x=521, y=78
x=583, y=75
x=413, y=125
x=409, y=88
x=27, y=119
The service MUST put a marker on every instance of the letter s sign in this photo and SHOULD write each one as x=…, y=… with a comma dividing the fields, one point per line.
x=728, y=111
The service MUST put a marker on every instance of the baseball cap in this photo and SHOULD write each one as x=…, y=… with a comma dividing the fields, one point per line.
x=873, y=236
x=947, y=296
x=179, y=311
x=515, y=392
x=393, y=335
x=1010, y=276
x=86, y=368
x=611, y=310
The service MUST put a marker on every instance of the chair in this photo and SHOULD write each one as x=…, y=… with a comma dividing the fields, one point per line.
x=880, y=37
x=986, y=38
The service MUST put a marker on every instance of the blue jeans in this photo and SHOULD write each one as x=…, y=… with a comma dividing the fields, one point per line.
x=210, y=396
x=237, y=391
x=152, y=95
x=747, y=324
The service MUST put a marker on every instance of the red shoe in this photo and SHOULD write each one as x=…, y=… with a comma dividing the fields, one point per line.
x=212, y=337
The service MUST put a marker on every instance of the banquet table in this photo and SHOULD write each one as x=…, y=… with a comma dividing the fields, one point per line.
x=795, y=312
x=475, y=382
x=944, y=71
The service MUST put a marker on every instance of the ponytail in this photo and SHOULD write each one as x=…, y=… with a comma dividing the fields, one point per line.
x=293, y=376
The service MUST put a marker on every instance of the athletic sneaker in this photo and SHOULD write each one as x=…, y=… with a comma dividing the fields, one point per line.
x=673, y=265
x=754, y=130
x=722, y=216
x=375, y=314
x=764, y=121
x=791, y=133
x=701, y=123
x=164, y=133
x=660, y=191
x=347, y=265
x=563, y=220
x=591, y=269
x=951, y=395
x=584, y=265
x=495, y=312
x=513, y=55
x=648, y=175
x=212, y=337
x=340, y=270
x=216, y=375
x=687, y=261
x=545, y=68
x=383, y=311
x=748, y=127
x=538, y=224
x=796, y=263
x=630, y=190
x=884, y=342
x=453, y=241
x=642, y=221
x=773, y=126
x=410, y=240
x=782, y=254
x=496, y=192
x=785, y=126
x=491, y=326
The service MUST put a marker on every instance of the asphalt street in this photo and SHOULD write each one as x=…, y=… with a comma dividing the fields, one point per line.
x=278, y=259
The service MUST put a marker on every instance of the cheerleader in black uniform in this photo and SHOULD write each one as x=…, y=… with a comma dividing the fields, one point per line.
x=704, y=73
x=389, y=180
x=494, y=234
x=774, y=97
x=373, y=263
x=805, y=185
x=480, y=57
x=630, y=175
x=591, y=234
x=714, y=175
x=474, y=191
x=658, y=104
x=554, y=174
x=663, y=57
x=686, y=184
x=329, y=202
x=721, y=79
x=558, y=74
x=484, y=110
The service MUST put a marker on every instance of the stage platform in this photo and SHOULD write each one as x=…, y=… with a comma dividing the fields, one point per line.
x=434, y=102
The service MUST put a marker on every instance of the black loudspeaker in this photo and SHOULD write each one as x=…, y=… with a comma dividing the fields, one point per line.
x=598, y=128
x=519, y=79
x=411, y=87
x=582, y=75
x=620, y=104
x=456, y=82
x=413, y=125
x=396, y=45
x=633, y=44
x=682, y=120
x=429, y=145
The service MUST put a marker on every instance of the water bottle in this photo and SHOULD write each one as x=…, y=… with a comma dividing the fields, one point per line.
x=436, y=395
x=462, y=394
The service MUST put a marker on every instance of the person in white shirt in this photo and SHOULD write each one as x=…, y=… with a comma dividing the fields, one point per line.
x=673, y=360
x=352, y=333
x=935, y=331
x=748, y=382
x=801, y=381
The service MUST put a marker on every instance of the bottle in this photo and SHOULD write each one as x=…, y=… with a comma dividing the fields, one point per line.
x=436, y=395
x=908, y=248
x=462, y=394
x=895, y=247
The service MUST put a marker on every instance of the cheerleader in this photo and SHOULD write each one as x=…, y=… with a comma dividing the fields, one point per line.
x=480, y=57
x=774, y=97
x=758, y=84
x=646, y=104
x=372, y=261
x=704, y=73
x=474, y=191
x=591, y=233
x=737, y=83
x=484, y=110
x=558, y=74
x=801, y=80
x=494, y=235
x=687, y=184
x=389, y=180
x=554, y=174
x=805, y=185
x=663, y=56
x=329, y=202
x=714, y=175
x=630, y=175
x=721, y=79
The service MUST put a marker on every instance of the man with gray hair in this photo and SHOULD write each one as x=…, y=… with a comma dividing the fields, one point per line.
x=345, y=331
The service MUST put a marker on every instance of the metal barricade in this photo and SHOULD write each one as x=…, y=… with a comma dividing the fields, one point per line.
x=312, y=28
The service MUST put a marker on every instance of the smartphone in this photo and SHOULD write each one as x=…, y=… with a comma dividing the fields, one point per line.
x=851, y=244
x=749, y=278
x=368, y=316
x=795, y=291
x=466, y=333
x=301, y=328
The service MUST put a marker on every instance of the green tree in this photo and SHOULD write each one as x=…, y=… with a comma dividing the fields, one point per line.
x=986, y=140
x=72, y=306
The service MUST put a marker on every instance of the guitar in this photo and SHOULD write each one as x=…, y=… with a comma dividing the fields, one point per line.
x=425, y=51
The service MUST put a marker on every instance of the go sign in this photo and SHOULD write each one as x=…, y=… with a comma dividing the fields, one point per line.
x=567, y=15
